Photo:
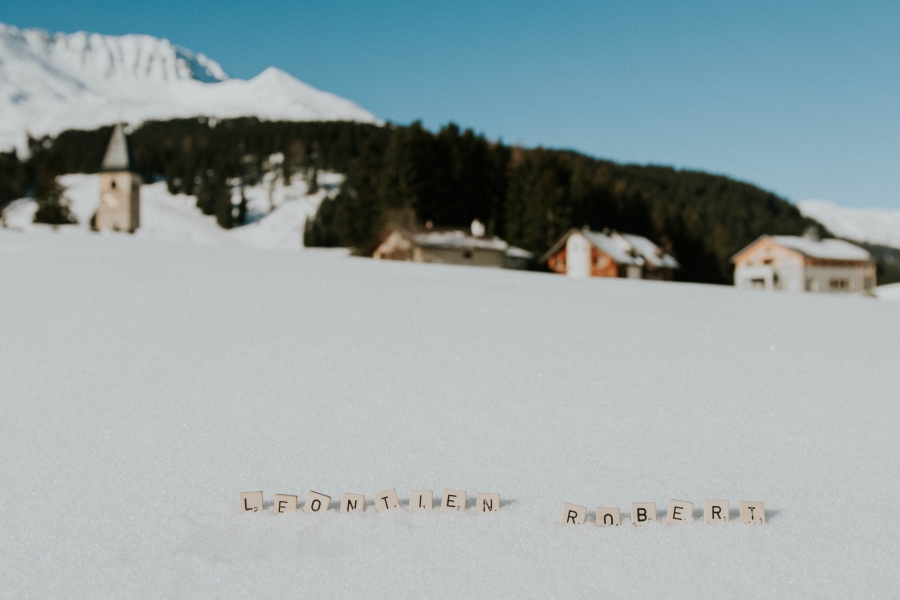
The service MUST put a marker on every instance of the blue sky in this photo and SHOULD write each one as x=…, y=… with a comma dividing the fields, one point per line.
x=800, y=98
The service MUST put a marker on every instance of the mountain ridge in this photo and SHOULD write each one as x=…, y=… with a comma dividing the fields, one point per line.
x=53, y=82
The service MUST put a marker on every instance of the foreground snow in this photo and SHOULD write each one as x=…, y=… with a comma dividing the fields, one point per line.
x=872, y=225
x=146, y=384
x=50, y=83
x=277, y=212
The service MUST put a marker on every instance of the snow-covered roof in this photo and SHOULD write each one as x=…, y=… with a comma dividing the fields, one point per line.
x=831, y=249
x=827, y=249
x=623, y=248
x=458, y=239
x=515, y=252
x=116, y=158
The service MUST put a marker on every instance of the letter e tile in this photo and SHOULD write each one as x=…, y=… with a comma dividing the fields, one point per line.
x=285, y=503
x=453, y=500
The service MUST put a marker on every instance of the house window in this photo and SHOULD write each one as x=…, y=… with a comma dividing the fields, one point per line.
x=869, y=283
x=112, y=184
x=467, y=254
x=839, y=284
x=758, y=283
x=768, y=261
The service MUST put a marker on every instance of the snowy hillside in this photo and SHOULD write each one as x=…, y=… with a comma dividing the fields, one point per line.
x=873, y=225
x=145, y=385
x=49, y=83
x=277, y=213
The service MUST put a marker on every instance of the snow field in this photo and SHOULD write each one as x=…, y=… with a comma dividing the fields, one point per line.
x=277, y=213
x=146, y=384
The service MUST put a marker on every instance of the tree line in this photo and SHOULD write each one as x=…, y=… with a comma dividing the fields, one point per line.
x=407, y=175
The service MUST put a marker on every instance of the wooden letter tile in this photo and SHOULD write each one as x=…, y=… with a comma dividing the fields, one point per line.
x=252, y=501
x=285, y=503
x=352, y=502
x=608, y=516
x=487, y=503
x=572, y=514
x=316, y=503
x=453, y=500
x=680, y=512
x=642, y=512
x=421, y=500
x=387, y=500
x=715, y=511
x=753, y=512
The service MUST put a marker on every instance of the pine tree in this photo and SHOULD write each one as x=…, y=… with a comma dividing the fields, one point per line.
x=53, y=206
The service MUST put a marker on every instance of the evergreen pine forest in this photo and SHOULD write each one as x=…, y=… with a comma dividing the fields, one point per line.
x=406, y=175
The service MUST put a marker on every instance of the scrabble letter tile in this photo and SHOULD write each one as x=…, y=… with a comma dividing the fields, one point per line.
x=753, y=512
x=715, y=511
x=387, y=500
x=251, y=501
x=316, y=502
x=572, y=514
x=421, y=500
x=487, y=503
x=642, y=512
x=680, y=512
x=453, y=500
x=285, y=503
x=352, y=502
x=608, y=516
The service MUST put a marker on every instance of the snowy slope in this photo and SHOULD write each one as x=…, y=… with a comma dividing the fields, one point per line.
x=144, y=385
x=49, y=83
x=873, y=225
x=278, y=213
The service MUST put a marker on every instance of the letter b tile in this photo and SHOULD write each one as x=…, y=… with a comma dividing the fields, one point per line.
x=643, y=512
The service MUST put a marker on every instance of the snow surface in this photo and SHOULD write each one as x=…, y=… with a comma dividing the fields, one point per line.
x=277, y=213
x=145, y=384
x=873, y=225
x=53, y=82
x=890, y=291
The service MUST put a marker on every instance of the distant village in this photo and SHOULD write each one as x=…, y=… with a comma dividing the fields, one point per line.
x=804, y=263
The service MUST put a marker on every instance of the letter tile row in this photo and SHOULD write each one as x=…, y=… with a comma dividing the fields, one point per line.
x=679, y=511
x=386, y=501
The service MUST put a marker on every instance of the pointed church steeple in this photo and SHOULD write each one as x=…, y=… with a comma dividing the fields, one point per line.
x=120, y=187
x=117, y=157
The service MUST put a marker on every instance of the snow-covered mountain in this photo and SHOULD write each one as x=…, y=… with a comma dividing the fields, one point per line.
x=872, y=225
x=52, y=82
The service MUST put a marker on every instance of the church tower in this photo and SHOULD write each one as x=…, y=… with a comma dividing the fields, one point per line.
x=120, y=188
